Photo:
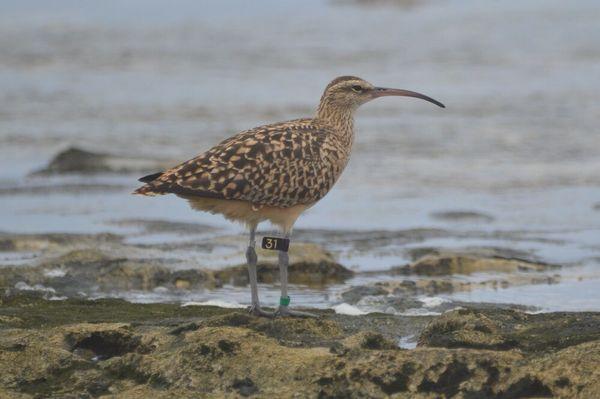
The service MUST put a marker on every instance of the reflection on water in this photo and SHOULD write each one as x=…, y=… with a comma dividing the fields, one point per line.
x=518, y=142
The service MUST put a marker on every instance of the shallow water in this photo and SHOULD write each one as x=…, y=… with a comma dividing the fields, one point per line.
x=518, y=143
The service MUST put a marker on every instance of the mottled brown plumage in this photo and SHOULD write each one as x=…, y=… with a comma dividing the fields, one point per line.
x=282, y=165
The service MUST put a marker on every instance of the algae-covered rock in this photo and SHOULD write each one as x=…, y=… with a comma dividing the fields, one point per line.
x=111, y=348
x=468, y=329
x=90, y=270
x=403, y=290
x=54, y=241
x=309, y=264
x=506, y=329
x=75, y=264
x=446, y=263
x=311, y=274
x=356, y=293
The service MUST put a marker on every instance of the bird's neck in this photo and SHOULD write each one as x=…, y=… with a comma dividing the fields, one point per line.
x=340, y=118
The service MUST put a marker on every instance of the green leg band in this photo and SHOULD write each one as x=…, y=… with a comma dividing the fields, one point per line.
x=284, y=301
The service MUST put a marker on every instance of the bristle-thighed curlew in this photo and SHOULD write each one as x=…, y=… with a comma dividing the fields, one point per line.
x=274, y=172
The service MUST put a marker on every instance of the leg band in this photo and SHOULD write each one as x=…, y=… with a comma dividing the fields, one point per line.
x=284, y=301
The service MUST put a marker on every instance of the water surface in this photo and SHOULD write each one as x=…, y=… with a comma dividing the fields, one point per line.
x=518, y=142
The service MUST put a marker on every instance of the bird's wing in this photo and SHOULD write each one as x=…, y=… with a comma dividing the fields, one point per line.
x=279, y=165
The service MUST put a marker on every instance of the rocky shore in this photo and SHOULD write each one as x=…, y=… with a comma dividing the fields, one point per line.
x=112, y=348
x=57, y=341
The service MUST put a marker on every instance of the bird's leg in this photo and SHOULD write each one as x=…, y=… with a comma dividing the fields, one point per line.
x=284, y=301
x=251, y=258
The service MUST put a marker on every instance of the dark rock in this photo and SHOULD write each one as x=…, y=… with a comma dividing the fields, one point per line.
x=371, y=340
x=417, y=253
x=76, y=160
x=311, y=274
x=339, y=349
x=429, y=287
x=87, y=270
x=244, y=386
x=462, y=216
x=355, y=294
x=103, y=344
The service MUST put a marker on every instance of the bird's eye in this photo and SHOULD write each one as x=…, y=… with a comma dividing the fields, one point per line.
x=357, y=89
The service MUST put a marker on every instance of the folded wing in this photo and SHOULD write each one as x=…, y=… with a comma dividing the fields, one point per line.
x=284, y=164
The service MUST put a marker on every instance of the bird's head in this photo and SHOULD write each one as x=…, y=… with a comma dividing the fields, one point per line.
x=346, y=93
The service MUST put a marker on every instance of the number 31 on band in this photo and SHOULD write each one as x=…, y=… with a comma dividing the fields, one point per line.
x=275, y=244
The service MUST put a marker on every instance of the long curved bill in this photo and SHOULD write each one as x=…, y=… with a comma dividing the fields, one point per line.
x=383, y=91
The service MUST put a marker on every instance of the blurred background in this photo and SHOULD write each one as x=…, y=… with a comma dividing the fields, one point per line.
x=510, y=170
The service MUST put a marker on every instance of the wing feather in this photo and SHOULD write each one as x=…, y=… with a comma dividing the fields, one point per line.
x=284, y=164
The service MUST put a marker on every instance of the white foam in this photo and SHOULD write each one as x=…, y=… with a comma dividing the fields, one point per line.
x=347, y=309
x=55, y=273
x=23, y=286
x=418, y=312
x=408, y=342
x=215, y=302
x=432, y=301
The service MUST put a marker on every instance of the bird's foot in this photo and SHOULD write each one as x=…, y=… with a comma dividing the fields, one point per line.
x=284, y=311
x=256, y=310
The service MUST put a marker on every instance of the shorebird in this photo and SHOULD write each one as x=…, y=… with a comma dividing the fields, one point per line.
x=274, y=172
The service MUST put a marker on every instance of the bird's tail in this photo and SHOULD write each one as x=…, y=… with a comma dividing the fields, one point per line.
x=150, y=188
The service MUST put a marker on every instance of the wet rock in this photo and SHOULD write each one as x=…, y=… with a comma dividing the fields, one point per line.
x=77, y=348
x=466, y=263
x=355, y=294
x=76, y=160
x=390, y=303
x=311, y=274
x=416, y=253
x=93, y=270
x=436, y=285
x=89, y=270
x=401, y=302
x=465, y=328
x=462, y=216
x=53, y=241
x=507, y=329
x=420, y=287
x=309, y=265
x=75, y=265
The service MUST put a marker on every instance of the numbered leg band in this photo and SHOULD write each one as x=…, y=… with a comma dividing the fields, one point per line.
x=284, y=301
x=275, y=244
